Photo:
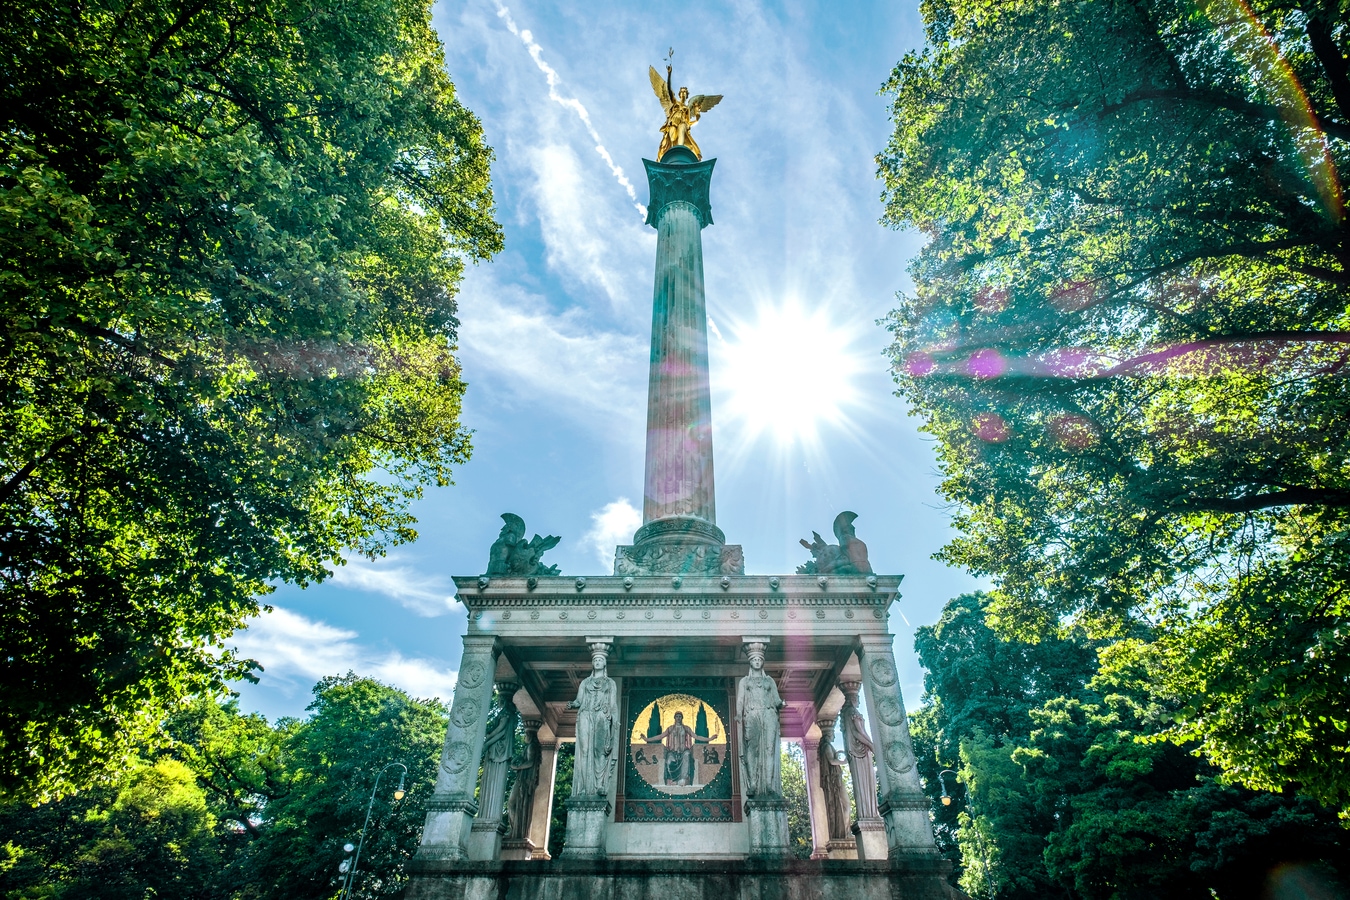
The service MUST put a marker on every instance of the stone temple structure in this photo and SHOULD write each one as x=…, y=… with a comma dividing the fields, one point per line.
x=678, y=676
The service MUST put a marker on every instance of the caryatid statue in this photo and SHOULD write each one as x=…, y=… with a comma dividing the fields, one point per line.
x=837, y=806
x=860, y=750
x=597, y=707
x=520, y=804
x=682, y=111
x=757, y=706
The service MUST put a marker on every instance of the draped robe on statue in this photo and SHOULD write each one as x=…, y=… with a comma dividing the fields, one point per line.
x=757, y=703
x=597, y=706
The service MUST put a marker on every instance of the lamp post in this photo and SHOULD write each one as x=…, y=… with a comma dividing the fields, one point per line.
x=346, y=892
x=984, y=855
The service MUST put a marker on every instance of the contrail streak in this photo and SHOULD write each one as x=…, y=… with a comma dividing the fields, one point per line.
x=537, y=54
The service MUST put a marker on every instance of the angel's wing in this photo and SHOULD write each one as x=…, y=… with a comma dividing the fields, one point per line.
x=545, y=543
x=703, y=102
x=659, y=86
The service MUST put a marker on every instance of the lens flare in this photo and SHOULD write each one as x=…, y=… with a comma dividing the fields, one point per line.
x=1249, y=41
x=787, y=372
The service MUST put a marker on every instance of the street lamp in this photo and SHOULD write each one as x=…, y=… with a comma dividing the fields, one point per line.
x=970, y=807
x=346, y=892
x=946, y=797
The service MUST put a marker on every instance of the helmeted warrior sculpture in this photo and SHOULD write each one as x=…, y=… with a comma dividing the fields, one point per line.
x=512, y=555
x=682, y=111
x=848, y=557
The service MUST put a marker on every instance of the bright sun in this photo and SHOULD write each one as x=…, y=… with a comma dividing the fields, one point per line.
x=787, y=372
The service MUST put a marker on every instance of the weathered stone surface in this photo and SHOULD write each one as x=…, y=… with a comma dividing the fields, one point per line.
x=586, y=823
x=752, y=879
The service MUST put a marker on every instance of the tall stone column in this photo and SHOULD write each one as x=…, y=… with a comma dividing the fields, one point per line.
x=869, y=829
x=679, y=479
x=838, y=809
x=815, y=798
x=599, y=742
x=903, y=803
x=542, y=817
x=451, y=808
x=485, y=835
x=757, y=716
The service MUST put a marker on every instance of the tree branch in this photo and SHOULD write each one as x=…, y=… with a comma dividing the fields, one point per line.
x=1295, y=496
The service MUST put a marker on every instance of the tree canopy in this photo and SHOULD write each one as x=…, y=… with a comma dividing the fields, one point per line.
x=1060, y=787
x=230, y=237
x=240, y=808
x=1129, y=334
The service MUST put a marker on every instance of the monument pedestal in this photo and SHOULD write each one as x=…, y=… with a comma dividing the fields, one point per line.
x=485, y=840
x=587, y=821
x=687, y=879
x=767, y=821
x=842, y=849
x=518, y=848
x=871, y=837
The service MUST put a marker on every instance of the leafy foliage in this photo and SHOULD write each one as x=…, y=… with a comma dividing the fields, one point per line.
x=238, y=809
x=1129, y=334
x=230, y=235
x=1064, y=788
x=800, y=840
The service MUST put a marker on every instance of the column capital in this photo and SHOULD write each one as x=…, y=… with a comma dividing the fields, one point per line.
x=685, y=183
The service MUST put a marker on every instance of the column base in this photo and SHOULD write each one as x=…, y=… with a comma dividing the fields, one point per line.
x=485, y=840
x=518, y=848
x=586, y=821
x=842, y=849
x=767, y=819
x=445, y=835
x=908, y=826
x=871, y=837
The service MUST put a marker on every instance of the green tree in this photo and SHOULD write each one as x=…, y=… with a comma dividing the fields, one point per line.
x=230, y=236
x=800, y=840
x=151, y=836
x=1128, y=334
x=701, y=723
x=1074, y=795
x=562, y=789
x=356, y=726
x=654, y=721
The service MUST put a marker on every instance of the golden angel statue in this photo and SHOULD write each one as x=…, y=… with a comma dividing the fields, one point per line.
x=681, y=113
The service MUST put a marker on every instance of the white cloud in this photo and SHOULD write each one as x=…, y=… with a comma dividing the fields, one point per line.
x=426, y=595
x=541, y=356
x=611, y=525
x=296, y=652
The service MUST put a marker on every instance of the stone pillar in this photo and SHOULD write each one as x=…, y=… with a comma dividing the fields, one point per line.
x=815, y=798
x=451, y=808
x=830, y=779
x=868, y=829
x=904, y=804
x=487, y=831
x=765, y=815
x=679, y=476
x=588, y=816
x=542, y=817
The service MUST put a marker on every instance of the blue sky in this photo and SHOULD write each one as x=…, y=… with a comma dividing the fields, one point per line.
x=555, y=330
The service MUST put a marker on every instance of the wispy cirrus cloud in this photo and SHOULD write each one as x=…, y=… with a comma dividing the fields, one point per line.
x=560, y=359
x=427, y=595
x=296, y=652
x=554, y=79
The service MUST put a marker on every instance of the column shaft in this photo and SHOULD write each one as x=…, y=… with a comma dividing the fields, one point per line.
x=815, y=799
x=451, y=808
x=904, y=804
x=679, y=476
x=543, y=797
